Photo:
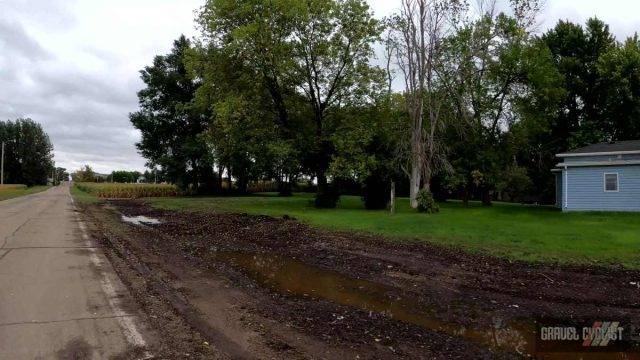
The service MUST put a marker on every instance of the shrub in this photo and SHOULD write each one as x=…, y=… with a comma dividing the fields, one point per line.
x=516, y=183
x=327, y=199
x=426, y=202
x=376, y=193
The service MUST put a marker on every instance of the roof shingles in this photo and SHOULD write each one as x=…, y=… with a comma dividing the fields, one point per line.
x=606, y=147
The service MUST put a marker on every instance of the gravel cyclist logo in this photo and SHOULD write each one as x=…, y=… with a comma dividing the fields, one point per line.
x=602, y=333
x=559, y=336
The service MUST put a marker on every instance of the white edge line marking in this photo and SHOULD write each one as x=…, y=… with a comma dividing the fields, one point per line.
x=124, y=319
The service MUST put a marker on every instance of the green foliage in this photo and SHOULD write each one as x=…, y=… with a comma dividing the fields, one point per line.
x=28, y=152
x=376, y=192
x=279, y=90
x=516, y=183
x=61, y=175
x=426, y=202
x=169, y=125
x=125, y=176
x=85, y=174
x=327, y=198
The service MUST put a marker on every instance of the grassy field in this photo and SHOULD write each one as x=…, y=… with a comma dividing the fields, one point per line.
x=13, y=191
x=512, y=231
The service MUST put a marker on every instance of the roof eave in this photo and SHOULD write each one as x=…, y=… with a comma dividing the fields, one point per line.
x=599, y=163
x=604, y=153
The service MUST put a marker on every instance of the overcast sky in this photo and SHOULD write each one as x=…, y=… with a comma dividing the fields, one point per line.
x=73, y=65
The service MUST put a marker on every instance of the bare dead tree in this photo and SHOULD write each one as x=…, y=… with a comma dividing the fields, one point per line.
x=420, y=28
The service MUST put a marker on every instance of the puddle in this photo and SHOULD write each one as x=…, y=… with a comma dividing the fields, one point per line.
x=295, y=277
x=140, y=220
x=291, y=276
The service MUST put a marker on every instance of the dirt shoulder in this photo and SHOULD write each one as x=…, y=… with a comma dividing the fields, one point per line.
x=240, y=286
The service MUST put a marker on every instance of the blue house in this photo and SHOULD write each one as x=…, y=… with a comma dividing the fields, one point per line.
x=599, y=177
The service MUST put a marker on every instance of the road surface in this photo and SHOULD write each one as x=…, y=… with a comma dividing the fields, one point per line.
x=59, y=296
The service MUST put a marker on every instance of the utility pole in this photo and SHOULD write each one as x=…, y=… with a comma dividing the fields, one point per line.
x=2, y=166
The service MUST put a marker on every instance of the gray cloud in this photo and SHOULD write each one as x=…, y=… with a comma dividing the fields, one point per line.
x=62, y=68
x=15, y=39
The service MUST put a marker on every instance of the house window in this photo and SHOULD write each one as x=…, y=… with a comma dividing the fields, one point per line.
x=611, y=182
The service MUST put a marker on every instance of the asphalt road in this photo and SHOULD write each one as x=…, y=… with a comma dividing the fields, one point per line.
x=59, y=296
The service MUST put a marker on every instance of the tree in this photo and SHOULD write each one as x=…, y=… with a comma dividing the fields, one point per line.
x=248, y=43
x=125, y=176
x=315, y=51
x=170, y=126
x=332, y=44
x=365, y=150
x=492, y=66
x=85, y=174
x=619, y=72
x=61, y=174
x=28, y=152
x=420, y=29
x=571, y=102
x=576, y=52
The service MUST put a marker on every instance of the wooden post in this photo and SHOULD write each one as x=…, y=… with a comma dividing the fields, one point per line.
x=392, y=202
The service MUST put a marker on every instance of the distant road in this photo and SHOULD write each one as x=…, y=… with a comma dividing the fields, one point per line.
x=59, y=296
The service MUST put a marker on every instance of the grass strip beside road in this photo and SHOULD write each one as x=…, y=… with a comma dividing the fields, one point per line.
x=14, y=191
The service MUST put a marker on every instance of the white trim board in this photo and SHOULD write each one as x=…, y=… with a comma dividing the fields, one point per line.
x=599, y=163
x=630, y=152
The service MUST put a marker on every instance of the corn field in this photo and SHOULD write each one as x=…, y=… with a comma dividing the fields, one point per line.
x=128, y=191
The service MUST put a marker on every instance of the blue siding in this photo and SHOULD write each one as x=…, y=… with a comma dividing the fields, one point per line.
x=586, y=189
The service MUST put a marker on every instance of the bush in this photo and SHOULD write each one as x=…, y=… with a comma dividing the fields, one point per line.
x=426, y=202
x=516, y=184
x=376, y=193
x=327, y=199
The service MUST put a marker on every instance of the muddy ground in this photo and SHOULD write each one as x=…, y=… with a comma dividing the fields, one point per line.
x=240, y=286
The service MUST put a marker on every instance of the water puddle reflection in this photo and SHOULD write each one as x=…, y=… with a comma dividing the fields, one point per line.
x=140, y=220
x=291, y=276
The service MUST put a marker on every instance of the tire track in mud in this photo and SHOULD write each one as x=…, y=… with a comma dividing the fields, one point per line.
x=177, y=302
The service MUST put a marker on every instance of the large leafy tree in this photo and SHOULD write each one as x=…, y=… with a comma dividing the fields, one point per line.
x=574, y=101
x=28, y=152
x=310, y=57
x=85, y=174
x=170, y=125
x=619, y=71
x=247, y=51
x=332, y=45
x=492, y=66
x=576, y=51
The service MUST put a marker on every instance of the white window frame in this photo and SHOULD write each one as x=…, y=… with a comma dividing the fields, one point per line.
x=617, y=182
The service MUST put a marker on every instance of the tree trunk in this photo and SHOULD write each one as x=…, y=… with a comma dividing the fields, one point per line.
x=284, y=186
x=465, y=196
x=392, y=199
x=414, y=184
x=220, y=179
x=486, y=197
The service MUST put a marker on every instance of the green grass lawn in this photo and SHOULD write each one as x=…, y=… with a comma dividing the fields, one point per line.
x=13, y=191
x=529, y=233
